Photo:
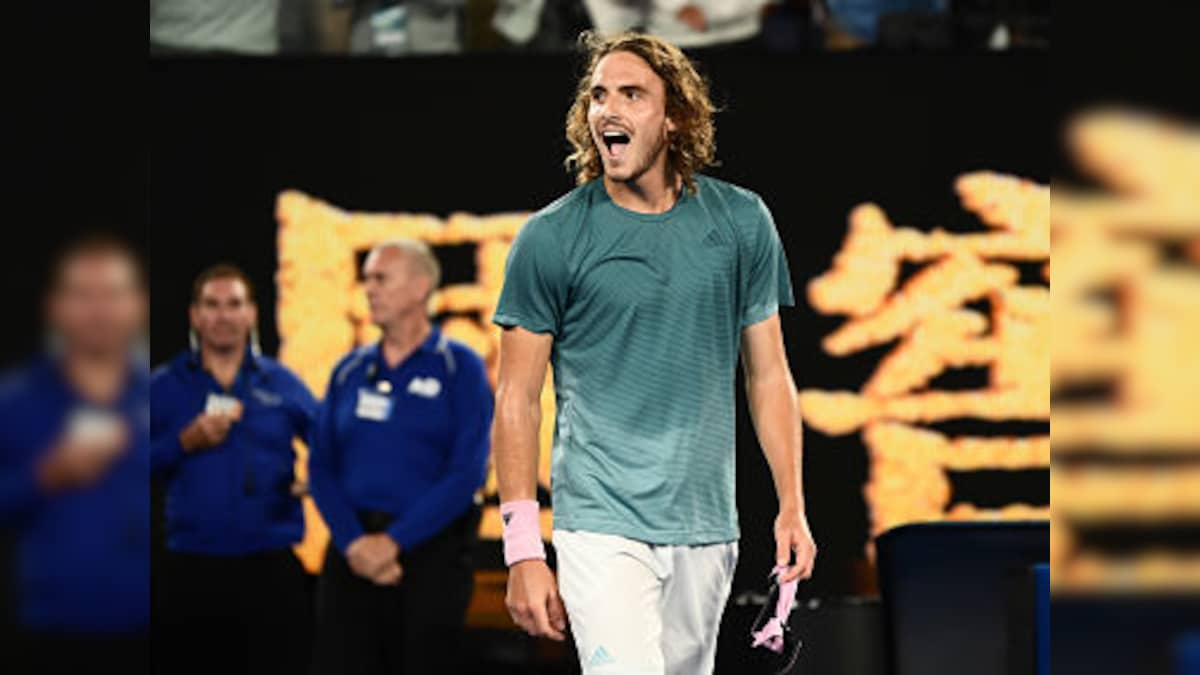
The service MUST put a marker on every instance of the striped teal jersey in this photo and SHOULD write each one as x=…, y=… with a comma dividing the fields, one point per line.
x=646, y=312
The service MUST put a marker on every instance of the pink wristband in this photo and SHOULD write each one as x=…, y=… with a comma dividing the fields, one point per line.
x=522, y=532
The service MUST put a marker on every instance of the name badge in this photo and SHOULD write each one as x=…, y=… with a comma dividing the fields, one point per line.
x=222, y=404
x=373, y=406
x=89, y=426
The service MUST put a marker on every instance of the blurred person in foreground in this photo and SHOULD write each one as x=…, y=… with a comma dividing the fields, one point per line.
x=400, y=451
x=74, y=471
x=641, y=286
x=223, y=422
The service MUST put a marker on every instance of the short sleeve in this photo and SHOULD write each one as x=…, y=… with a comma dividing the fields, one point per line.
x=535, y=280
x=767, y=281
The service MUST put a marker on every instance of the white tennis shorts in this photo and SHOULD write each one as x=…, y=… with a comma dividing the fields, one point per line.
x=643, y=609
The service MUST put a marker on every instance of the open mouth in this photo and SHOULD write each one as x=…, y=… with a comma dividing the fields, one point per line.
x=616, y=142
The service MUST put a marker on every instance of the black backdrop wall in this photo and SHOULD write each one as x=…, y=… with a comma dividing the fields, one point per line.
x=72, y=167
x=815, y=135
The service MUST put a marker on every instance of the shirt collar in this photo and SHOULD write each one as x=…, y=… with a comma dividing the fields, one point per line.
x=250, y=360
x=430, y=345
x=137, y=378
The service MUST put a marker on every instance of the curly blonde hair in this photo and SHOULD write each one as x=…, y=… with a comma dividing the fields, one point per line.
x=693, y=144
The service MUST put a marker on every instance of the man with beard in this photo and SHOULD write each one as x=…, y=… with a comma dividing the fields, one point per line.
x=641, y=286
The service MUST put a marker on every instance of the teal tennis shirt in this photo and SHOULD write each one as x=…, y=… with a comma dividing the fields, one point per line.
x=646, y=312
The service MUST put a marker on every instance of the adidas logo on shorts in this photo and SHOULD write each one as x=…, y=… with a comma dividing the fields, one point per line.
x=600, y=657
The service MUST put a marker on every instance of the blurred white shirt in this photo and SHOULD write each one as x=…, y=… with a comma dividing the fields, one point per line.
x=727, y=20
x=241, y=26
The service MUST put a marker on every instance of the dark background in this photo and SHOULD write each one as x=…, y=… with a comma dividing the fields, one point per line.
x=73, y=163
x=813, y=134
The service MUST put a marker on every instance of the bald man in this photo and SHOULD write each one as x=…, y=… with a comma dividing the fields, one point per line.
x=400, y=451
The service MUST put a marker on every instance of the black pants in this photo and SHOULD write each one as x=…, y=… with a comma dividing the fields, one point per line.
x=232, y=615
x=414, y=628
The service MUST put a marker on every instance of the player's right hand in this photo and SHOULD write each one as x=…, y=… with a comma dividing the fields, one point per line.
x=533, y=600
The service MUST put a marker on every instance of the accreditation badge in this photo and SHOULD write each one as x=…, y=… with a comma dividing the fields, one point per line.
x=373, y=406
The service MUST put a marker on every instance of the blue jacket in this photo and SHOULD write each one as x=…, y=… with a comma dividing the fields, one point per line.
x=411, y=441
x=82, y=557
x=233, y=498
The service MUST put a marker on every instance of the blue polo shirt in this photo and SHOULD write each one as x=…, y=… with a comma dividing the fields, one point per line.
x=233, y=498
x=411, y=441
x=82, y=556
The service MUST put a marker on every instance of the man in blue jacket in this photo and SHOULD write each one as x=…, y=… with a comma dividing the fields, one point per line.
x=400, y=451
x=224, y=419
x=74, y=473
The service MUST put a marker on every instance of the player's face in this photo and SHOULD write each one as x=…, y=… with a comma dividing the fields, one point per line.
x=223, y=315
x=628, y=116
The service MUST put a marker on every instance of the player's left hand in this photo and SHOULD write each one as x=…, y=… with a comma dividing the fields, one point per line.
x=793, y=535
